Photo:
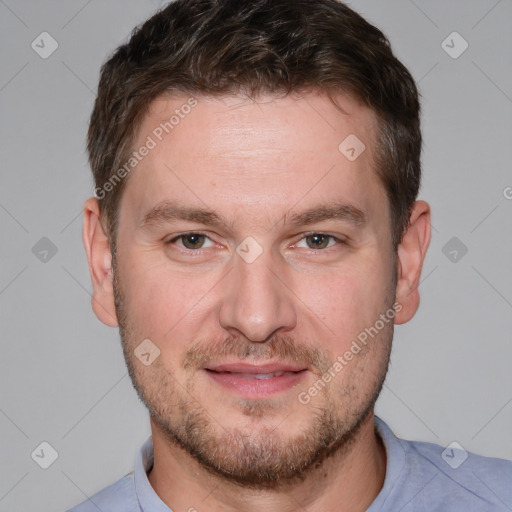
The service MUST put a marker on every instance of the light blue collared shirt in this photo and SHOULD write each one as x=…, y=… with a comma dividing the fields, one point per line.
x=420, y=477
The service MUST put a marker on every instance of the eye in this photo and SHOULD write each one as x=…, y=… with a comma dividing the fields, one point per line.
x=191, y=241
x=319, y=241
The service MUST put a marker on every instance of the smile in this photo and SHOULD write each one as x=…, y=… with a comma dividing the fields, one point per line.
x=255, y=381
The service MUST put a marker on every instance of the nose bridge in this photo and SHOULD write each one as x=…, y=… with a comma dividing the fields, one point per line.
x=255, y=302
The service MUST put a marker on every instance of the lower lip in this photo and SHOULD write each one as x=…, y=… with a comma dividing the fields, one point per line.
x=257, y=388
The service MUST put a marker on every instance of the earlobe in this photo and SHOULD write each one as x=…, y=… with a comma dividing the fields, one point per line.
x=411, y=255
x=99, y=258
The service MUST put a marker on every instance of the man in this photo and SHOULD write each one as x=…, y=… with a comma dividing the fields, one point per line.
x=256, y=235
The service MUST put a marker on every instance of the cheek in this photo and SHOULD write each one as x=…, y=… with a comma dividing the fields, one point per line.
x=347, y=300
x=162, y=303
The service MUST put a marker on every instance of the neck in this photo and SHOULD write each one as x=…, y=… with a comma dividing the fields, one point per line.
x=348, y=480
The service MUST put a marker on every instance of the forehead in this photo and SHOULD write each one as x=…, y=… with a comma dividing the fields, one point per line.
x=263, y=155
x=230, y=124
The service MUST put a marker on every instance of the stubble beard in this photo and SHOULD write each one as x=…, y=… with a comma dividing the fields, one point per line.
x=263, y=458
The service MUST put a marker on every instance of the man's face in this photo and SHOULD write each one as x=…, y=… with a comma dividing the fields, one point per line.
x=272, y=280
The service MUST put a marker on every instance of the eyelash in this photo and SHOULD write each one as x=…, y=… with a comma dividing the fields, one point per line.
x=338, y=241
x=183, y=235
x=199, y=251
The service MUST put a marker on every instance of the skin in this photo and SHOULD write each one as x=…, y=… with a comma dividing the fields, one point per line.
x=257, y=163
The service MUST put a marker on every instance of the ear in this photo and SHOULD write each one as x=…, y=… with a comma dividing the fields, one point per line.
x=99, y=258
x=410, y=258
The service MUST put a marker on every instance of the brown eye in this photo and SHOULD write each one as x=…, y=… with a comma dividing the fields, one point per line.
x=317, y=241
x=193, y=240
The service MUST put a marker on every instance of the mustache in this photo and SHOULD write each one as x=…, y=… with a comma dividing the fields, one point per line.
x=281, y=348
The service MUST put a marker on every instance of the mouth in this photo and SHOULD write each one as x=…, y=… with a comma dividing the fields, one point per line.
x=256, y=381
x=260, y=376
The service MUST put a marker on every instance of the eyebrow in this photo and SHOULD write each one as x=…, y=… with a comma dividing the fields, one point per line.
x=168, y=211
x=344, y=212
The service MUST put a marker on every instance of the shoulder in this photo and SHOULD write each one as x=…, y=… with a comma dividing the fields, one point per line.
x=118, y=497
x=427, y=477
x=462, y=472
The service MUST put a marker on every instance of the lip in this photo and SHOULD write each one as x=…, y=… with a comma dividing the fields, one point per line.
x=255, y=368
x=256, y=381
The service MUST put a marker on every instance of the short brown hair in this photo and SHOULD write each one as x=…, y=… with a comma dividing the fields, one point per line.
x=219, y=47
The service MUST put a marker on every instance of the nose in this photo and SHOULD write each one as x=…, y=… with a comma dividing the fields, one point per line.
x=256, y=301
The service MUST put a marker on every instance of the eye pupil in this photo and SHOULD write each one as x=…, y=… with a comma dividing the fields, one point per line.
x=319, y=241
x=193, y=241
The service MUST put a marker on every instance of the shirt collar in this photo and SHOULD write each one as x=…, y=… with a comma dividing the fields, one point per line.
x=149, y=500
x=395, y=464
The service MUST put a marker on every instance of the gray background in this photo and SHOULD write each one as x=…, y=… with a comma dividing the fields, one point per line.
x=62, y=375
